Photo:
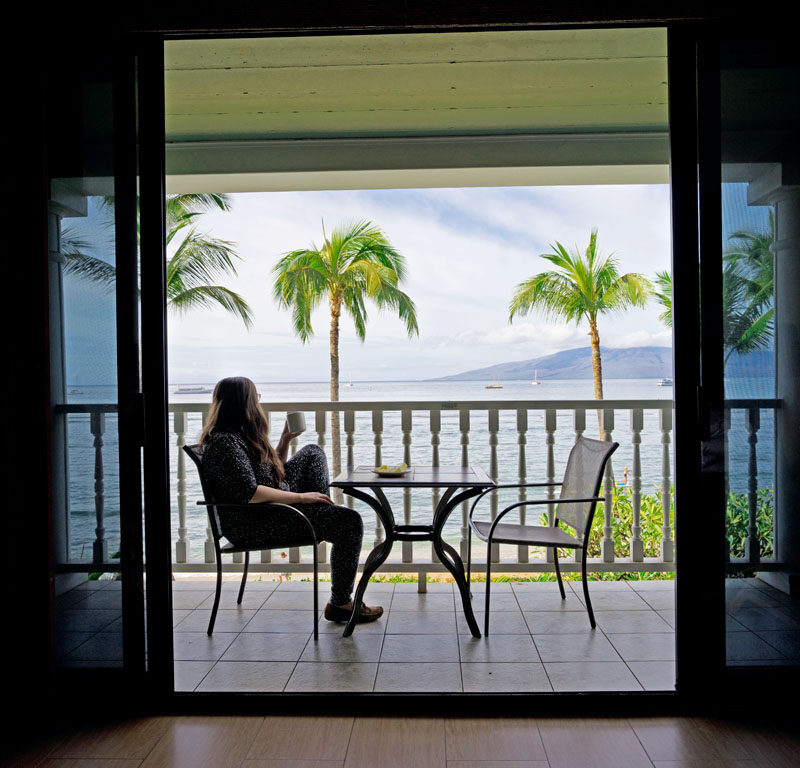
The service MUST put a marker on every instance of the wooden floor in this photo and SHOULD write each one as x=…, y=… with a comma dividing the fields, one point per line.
x=392, y=742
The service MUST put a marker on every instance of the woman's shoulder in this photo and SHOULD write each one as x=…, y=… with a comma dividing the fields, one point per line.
x=221, y=441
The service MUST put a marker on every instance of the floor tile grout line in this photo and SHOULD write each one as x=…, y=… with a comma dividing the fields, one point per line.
x=636, y=735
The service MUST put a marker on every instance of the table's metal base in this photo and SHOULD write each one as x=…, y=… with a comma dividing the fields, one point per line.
x=449, y=557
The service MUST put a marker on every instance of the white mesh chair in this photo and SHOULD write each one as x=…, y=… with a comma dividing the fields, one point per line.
x=575, y=506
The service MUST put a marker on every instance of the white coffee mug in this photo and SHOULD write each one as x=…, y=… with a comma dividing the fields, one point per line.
x=296, y=421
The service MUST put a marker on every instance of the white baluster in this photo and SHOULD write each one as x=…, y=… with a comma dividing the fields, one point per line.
x=322, y=547
x=726, y=426
x=550, y=468
x=494, y=427
x=523, y=552
x=667, y=544
x=350, y=429
x=377, y=441
x=97, y=424
x=436, y=428
x=752, y=547
x=209, y=555
x=463, y=426
x=637, y=545
x=406, y=425
x=607, y=545
x=182, y=544
x=579, y=423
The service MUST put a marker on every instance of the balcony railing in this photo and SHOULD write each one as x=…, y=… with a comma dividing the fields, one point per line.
x=516, y=441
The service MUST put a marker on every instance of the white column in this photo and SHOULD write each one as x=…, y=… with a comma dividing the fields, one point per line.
x=100, y=545
x=494, y=427
x=607, y=545
x=550, y=468
x=182, y=544
x=322, y=547
x=667, y=544
x=436, y=428
x=523, y=552
x=579, y=423
x=637, y=545
x=752, y=547
x=780, y=186
x=406, y=425
x=377, y=431
x=350, y=429
x=463, y=427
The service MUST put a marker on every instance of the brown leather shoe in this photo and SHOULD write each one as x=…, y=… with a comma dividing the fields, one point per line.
x=337, y=613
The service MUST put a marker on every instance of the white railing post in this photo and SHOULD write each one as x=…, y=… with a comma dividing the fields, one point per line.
x=607, y=545
x=209, y=556
x=377, y=441
x=463, y=427
x=667, y=544
x=349, y=430
x=436, y=428
x=494, y=428
x=726, y=426
x=752, y=547
x=97, y=424
x=322, y=547
x=523, y=552
x=406, y=425
x=182, y=544
x=550, y=468
x=579, y=424
x=637, y=545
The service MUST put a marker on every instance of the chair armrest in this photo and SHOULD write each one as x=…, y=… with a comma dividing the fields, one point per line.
x=531, y=502
x=263, y=505
x=510, y=485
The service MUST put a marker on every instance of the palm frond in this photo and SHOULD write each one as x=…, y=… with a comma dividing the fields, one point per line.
x=209, y=296
x=91, y=268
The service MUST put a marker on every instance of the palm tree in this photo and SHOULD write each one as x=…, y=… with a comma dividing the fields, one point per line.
x=748, y=290
x=357, y=262
x=196, y=263
x=582, y=287
x=663, y=296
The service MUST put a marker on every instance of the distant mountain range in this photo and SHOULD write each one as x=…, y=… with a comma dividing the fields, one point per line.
x=628, y=363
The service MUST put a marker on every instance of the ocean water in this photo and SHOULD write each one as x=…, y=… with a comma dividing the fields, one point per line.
x=81, y=450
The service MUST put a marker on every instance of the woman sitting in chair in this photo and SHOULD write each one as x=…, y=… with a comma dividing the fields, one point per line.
x=242, y=466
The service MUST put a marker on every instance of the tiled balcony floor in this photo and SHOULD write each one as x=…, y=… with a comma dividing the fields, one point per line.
x=422, y=644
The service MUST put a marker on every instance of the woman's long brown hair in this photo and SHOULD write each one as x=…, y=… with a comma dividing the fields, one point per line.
x=235, y=408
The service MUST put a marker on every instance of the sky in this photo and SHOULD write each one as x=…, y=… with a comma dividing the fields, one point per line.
x=465, y=249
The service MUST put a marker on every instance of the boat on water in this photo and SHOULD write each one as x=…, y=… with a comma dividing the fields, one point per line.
x=193, y=389
x=665, y=382
x=496, y=385
x=535, y=382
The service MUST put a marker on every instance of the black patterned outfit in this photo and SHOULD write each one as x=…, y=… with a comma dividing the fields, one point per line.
x=234, y=471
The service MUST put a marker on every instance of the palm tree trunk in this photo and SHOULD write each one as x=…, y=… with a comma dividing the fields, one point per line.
x=597, y=369
x=336, y=311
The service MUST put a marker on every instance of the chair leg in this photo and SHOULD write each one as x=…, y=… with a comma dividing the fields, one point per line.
x=469, y=562
x=216, y=595
x=488, y=587
x=316, y=597
x=244, y=578
x=586, y=590
x=558, y=573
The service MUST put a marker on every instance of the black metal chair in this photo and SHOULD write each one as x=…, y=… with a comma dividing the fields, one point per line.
x=575, y=507
x=216, y=513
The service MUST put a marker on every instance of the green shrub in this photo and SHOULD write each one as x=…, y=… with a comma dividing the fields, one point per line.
x=738, y=521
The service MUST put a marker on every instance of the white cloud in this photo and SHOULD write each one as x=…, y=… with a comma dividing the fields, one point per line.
x=465, y=249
